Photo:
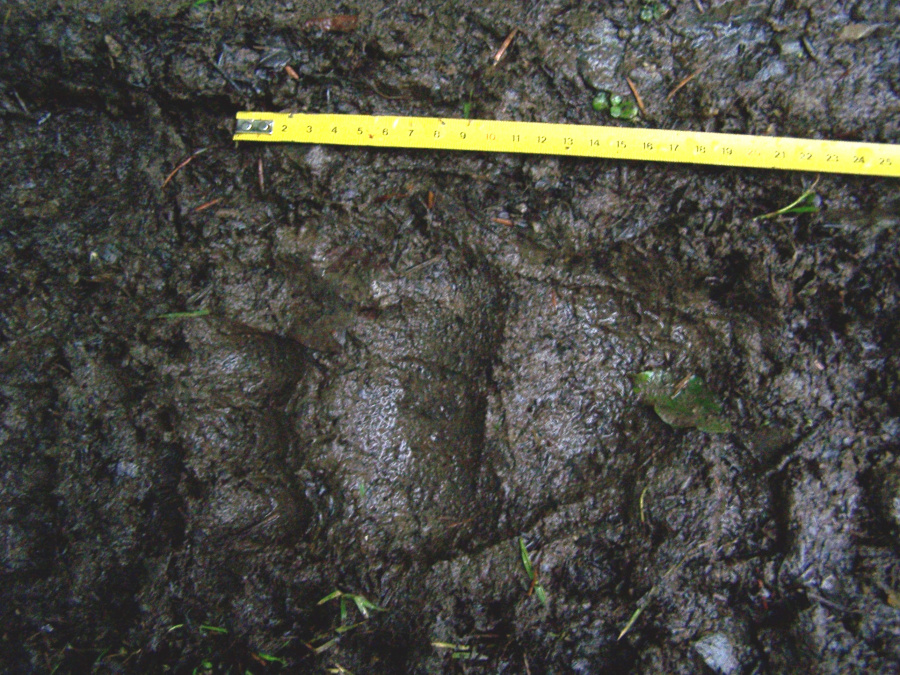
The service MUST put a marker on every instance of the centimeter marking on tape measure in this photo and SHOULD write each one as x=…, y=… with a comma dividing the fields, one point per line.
x=659, y=145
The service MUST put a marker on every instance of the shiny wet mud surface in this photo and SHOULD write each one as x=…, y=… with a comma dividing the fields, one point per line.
x=385, y=386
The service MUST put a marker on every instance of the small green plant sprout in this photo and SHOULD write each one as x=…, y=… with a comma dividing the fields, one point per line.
x=362, y=604
x=617, y=107
x=651, y=11
x=204, y=628
x=808, y=202
x=621, y=108
x=347, y=600
x=536, y=586
x=601, y=102
x=204, y=668
x=687, y=402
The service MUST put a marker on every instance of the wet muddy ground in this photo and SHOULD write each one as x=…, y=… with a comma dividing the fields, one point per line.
x=383, y=388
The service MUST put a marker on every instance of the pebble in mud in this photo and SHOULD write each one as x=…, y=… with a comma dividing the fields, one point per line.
x=718, y=653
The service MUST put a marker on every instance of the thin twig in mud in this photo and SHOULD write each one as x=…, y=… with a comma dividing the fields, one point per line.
x=421, y=265
x=503, y=47
x=381, y=199
x=699, y=6
x=829, y=603
x=215, y=66
x=205, y=206
x=681, y=84
x=809, y=49
x=650, y=458
x=182, y=165
x=339, y=23
x=457, y=523
x=21, y=102
x=645, y=599
x=386, y=96
x=262, y=179
x=637, y=96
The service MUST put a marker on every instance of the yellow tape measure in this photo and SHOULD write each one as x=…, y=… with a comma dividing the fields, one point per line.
x=658, y=145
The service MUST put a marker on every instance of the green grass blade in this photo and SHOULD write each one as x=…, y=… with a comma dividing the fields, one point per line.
x=185, y=315
x=330, y=596
x=526, y=560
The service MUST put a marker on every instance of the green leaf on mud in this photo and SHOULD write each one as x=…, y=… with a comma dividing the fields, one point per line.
x=526, y=559
x=185, y=315
x=270, y=658
x=634, y=617
x=681, y=403
x=529, y=570
x=205, y=628
x=363, y=605
x=330, y=596
x=325, y=647
x=340, y=630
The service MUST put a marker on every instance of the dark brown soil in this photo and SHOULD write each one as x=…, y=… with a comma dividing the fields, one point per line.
x=384, y=396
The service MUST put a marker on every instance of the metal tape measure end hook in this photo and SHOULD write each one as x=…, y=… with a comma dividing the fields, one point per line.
x=253, y=127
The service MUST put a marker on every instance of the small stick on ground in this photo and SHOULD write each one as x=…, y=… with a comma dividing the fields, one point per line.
x=205, y=206
x=261, y=176
x=503, y=47
x=643, y=494
x=383, y=95
x=182, y=165
x=681, y=84
x=21, y=102
x=809, y=49
x=338, y=23
x=421, y=265
x=637, y=96
x=699, y=6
